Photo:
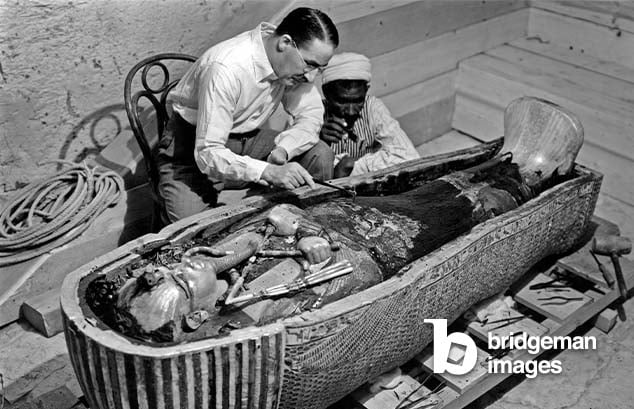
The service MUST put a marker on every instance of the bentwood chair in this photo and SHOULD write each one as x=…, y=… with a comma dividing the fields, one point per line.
x=140, y=120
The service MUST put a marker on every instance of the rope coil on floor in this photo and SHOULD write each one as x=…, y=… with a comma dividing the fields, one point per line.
x=50, y=213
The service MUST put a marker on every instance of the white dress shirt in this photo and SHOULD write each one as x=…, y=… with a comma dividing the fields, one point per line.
x=232, y=88
x=381, y=141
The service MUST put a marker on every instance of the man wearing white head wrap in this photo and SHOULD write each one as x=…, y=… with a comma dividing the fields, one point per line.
x=358, y=127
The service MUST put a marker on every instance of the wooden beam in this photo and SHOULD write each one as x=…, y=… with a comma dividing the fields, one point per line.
x=390, y=398
x=460, y=383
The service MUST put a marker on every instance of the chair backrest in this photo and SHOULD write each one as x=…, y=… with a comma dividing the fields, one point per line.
x=158, y=97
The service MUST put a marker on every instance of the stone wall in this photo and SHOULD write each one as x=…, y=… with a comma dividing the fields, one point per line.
x=63, y=64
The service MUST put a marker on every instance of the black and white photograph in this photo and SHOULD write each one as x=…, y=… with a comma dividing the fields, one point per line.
x=316, y=204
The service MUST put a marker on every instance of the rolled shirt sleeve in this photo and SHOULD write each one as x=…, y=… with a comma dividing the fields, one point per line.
x=305, y=107
x=219, y=90
x=396, y=147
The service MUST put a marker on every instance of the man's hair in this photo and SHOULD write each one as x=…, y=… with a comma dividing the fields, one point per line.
x=305, y=24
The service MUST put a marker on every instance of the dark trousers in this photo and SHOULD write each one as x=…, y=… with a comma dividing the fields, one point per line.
x=186, y=191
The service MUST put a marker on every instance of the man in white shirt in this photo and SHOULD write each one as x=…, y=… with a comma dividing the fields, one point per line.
x=358, y=127
x=213, y=137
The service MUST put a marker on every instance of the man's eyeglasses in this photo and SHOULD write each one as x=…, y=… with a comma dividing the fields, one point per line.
x=308, y=66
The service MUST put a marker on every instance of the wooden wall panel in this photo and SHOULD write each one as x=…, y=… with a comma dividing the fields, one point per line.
x=424, y=110
x=616, y=14
x=575, y=57
x=606, y=120
x=609, y=43
x=415, y=63
x=399, y=27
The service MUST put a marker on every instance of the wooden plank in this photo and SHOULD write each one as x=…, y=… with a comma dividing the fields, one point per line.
x=540, y=300
x=460, y=383
x=424, y=110
x=389, y=398
x=422, y=94
x=43, y=312
x=526, y=325
x=479, y=118
x=428, y=122
x=425, y=59
x=606, y=320
x=398, y=27
x=448, y=142
x=129, y=219
x=595, y=39
x=576, y=57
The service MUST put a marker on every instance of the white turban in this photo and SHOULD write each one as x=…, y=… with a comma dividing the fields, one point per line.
x=347, y=66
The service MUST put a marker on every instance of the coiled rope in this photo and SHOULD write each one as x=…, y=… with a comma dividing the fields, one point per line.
x=50, y=213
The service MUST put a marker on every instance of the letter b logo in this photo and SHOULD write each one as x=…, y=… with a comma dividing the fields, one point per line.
x=442, y=345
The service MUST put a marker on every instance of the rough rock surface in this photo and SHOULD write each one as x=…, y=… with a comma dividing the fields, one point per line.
x=63, y=65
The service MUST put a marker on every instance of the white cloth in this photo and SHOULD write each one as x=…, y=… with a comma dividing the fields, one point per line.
x=381, y=141
x=232, y=88
x=347, y=66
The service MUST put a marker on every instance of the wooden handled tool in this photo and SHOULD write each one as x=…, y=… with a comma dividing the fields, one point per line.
x=614, y=246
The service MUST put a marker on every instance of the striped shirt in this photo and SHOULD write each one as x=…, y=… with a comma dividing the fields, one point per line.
x=380, y=140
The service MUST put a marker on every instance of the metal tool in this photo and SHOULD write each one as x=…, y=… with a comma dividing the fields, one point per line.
x=561, y=300
x=548, y=284
x=350, y=192
x=407, y=402
x=505, y=321
x=615, y=246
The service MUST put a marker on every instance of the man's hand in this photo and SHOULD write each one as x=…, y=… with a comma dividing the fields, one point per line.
x=333, y=130
x=288, y=176
x=278, y=156
x=316, y=249
x=344, y=167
